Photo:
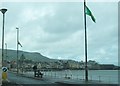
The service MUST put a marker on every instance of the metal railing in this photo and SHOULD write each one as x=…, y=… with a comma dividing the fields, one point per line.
x=61, y=74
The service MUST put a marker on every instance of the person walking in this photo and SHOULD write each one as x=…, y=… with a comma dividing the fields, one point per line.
x=35, y=70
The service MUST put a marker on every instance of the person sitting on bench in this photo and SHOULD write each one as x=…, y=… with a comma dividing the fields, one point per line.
x=41, y=74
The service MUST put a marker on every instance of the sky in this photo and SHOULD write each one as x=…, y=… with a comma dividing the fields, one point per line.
x=56, y=29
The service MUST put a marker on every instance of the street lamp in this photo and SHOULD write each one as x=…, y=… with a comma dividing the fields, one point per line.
x=3, y=12
x=6, y=51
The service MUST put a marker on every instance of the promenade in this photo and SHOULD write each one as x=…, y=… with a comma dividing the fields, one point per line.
x=27, y=79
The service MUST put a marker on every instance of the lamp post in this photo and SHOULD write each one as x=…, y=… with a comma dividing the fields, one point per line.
x=3, y=12
x=6, y=52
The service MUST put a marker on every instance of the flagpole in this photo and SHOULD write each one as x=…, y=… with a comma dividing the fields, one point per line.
x=17, y=47
x=86, y=68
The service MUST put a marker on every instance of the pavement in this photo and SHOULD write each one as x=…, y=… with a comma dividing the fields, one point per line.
x=20, y=79
x=7, y=83
x=0, y=76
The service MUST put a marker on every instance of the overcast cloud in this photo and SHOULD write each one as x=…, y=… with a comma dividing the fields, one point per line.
x=56, y=29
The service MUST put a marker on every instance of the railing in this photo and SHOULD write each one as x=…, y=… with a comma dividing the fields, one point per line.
x=62, y=74
x=100, y=78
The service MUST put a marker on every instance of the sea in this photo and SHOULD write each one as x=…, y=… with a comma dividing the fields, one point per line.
x=107, y=76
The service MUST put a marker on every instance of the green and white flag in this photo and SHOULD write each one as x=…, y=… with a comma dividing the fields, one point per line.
x=88, y=12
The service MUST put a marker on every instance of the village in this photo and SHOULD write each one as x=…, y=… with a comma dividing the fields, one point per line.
x=27, y=65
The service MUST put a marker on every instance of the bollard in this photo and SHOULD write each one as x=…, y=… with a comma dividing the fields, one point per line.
x=4, y=73
x=4, y=76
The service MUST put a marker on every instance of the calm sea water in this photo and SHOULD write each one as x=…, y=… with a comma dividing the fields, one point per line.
x=109, y=76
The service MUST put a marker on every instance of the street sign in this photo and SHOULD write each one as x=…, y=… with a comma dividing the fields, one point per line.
x=4, y=69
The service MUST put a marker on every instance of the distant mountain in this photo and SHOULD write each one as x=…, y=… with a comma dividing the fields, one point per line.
x=35, y=56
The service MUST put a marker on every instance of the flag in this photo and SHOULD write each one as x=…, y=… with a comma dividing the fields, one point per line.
x=88, y=12
x=19, y=43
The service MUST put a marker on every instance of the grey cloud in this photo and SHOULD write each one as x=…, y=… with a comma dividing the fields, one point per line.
x=65, y=21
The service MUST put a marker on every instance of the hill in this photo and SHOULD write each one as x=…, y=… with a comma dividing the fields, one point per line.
x=35, y=56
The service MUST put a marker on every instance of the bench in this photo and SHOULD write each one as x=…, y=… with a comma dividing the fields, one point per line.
x=37, y=73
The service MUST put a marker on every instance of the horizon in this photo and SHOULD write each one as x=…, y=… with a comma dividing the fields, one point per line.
x=61, y=58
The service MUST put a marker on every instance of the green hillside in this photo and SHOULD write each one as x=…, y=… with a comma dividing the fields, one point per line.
x=35, y=56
